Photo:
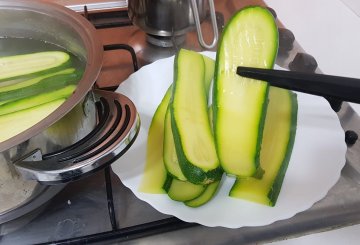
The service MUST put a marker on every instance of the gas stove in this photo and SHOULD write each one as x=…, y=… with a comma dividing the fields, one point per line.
x=100, y=209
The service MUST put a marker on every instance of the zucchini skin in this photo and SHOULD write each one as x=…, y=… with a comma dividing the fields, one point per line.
x=44, y=86
x=36, y=100
x=205, y=196
x=193, y=173
x=217, y=91
x=34, y=80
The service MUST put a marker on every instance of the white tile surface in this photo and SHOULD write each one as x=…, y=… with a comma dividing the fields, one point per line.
x=330, y=31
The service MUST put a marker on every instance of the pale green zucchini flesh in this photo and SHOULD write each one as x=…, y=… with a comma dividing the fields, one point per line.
x=194, y=142
x=205, y=196
x=25, y=64
x=155, y=172
x=249, y=39
x=19, y=121
x=276, y=149
x=183, y=190
x=170, y=158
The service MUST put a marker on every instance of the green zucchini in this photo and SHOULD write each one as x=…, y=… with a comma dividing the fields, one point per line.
x=183, y=190
x=28, y=82
x=36, y=100
x=44, y=86
x=205, y=196
x=276, y=149
x=170, y=158
x=250, y=38
x=209, y=73
x=25, y=64
x=194, y=142
x=155, y=173
x=17, y=122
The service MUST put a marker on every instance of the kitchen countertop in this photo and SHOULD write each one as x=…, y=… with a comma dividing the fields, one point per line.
x=327, y=33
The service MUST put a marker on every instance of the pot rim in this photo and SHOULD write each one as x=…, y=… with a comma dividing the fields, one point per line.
x=94, y=58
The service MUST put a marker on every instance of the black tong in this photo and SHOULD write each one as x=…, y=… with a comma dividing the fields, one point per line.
x=341, y=88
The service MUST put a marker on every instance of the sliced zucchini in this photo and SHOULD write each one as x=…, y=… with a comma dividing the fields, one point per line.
x=155, y=172
x=209, y=73
x=205, y=196
x=170, y=158
x=36, y=100
x=276, y=149
x=28, y=82
x=249, y=39
x=19, y=121
x=190, y=124
x=183, y=190
x=44, y=86
x=25, y=64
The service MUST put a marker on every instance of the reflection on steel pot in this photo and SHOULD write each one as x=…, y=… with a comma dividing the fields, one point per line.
x=72, y=120
x=171, y=18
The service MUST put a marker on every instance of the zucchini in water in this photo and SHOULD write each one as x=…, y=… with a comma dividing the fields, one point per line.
x=36, y=100
x=31, y=81
x=25, y=64
x=194, y=143
x=46, y=85
x=16, y=122
x=249, y=39
x=276, y=148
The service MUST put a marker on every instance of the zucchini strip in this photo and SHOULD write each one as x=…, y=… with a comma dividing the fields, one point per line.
x=17, y=122
x=249, y=39
x=36, y=100
x=194, y=142
x=276, y=149
x=44, y=86
x=155, y=173
x=25, y=64
x=32, y=81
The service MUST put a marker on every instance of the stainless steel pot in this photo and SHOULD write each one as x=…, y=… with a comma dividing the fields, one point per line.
x=171, y=18
x=63, y=27
x=76, y=117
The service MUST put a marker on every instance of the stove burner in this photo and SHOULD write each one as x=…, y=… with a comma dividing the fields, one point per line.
x=165, y=42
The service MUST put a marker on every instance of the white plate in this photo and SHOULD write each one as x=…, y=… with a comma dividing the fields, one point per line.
x=317, y=159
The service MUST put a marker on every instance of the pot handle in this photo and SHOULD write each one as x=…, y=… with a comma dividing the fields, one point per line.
x=198, y=26
x=117, y=128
